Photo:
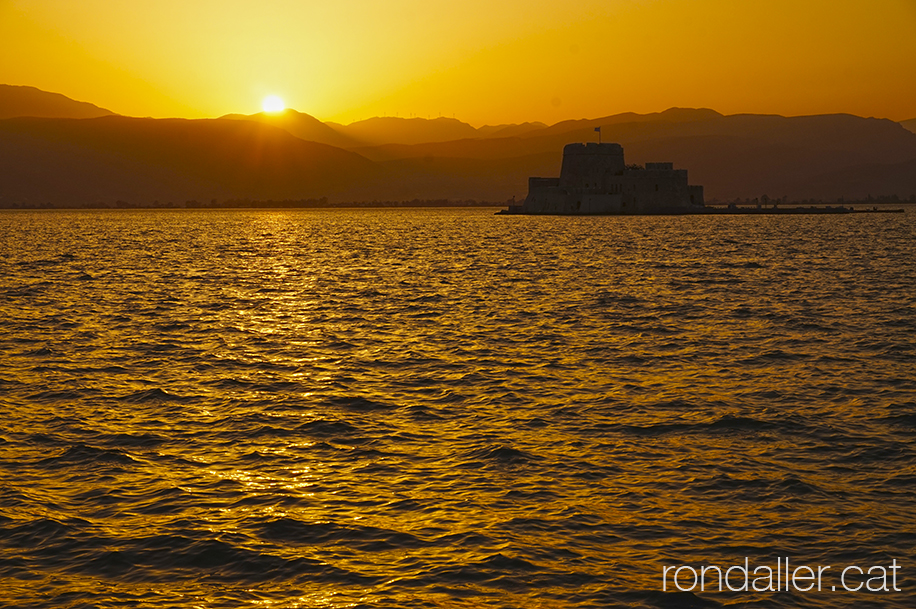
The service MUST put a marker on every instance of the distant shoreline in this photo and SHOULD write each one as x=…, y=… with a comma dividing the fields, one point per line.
x=323, y=203
x=243, y=204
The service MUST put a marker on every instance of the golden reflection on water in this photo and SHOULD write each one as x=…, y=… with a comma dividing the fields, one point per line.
x=445, y=407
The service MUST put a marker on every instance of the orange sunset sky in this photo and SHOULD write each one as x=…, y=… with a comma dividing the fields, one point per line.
x=482, y=61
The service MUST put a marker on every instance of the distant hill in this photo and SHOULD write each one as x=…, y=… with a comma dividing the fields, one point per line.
x=140, y=160
x=292, y=155
x=732, y=156
x=303, y=126
x=392, y=130
x=381, y=131
x=909, y=125
x=672, y=115
x=29, y=101
x=865, y=179
x=464, y=178
x=509, y=130
x=544, y=139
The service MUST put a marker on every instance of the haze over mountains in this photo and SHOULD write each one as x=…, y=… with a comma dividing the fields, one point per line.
x=56, y=150
x=379, y=131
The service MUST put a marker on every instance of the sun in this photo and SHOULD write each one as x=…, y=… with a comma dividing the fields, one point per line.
x=272, y=103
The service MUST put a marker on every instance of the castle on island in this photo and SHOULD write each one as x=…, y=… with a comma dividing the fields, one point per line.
x=595, y=180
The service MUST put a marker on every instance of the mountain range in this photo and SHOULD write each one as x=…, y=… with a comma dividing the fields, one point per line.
x=29, y=101
x=60, y=151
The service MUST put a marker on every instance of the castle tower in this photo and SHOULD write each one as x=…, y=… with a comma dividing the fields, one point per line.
x=590, y=164
x=595, y=180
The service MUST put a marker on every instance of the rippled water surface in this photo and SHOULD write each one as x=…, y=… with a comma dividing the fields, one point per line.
x=445, y=408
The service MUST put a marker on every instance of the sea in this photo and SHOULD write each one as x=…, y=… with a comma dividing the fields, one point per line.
x=424, y=408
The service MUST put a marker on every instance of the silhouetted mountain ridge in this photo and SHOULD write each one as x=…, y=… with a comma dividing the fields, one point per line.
x=300, y=124
x=672, y=115
x=28, y=101
x=393, y=130
x=69, y=161
x=909, y=125
x=732, y=156
x=509, y=130
x=292, y=155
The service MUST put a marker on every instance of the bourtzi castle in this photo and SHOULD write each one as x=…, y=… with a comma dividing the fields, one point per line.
x=595, y=180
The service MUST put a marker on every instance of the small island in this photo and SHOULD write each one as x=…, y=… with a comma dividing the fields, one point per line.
x=595, y=180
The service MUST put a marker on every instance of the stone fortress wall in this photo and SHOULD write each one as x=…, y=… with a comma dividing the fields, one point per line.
x=594, y=179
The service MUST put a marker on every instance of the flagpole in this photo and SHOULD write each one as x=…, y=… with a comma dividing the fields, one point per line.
x=598, y=129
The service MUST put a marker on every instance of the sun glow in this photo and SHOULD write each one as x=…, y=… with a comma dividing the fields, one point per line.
x=272, y=103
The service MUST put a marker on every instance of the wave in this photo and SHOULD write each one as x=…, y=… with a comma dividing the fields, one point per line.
x=156, y=395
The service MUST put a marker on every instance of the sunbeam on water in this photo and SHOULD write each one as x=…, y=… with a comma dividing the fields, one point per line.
x=443, y=408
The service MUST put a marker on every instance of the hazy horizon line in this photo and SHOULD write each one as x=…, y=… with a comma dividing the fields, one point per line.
x=474, y=124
